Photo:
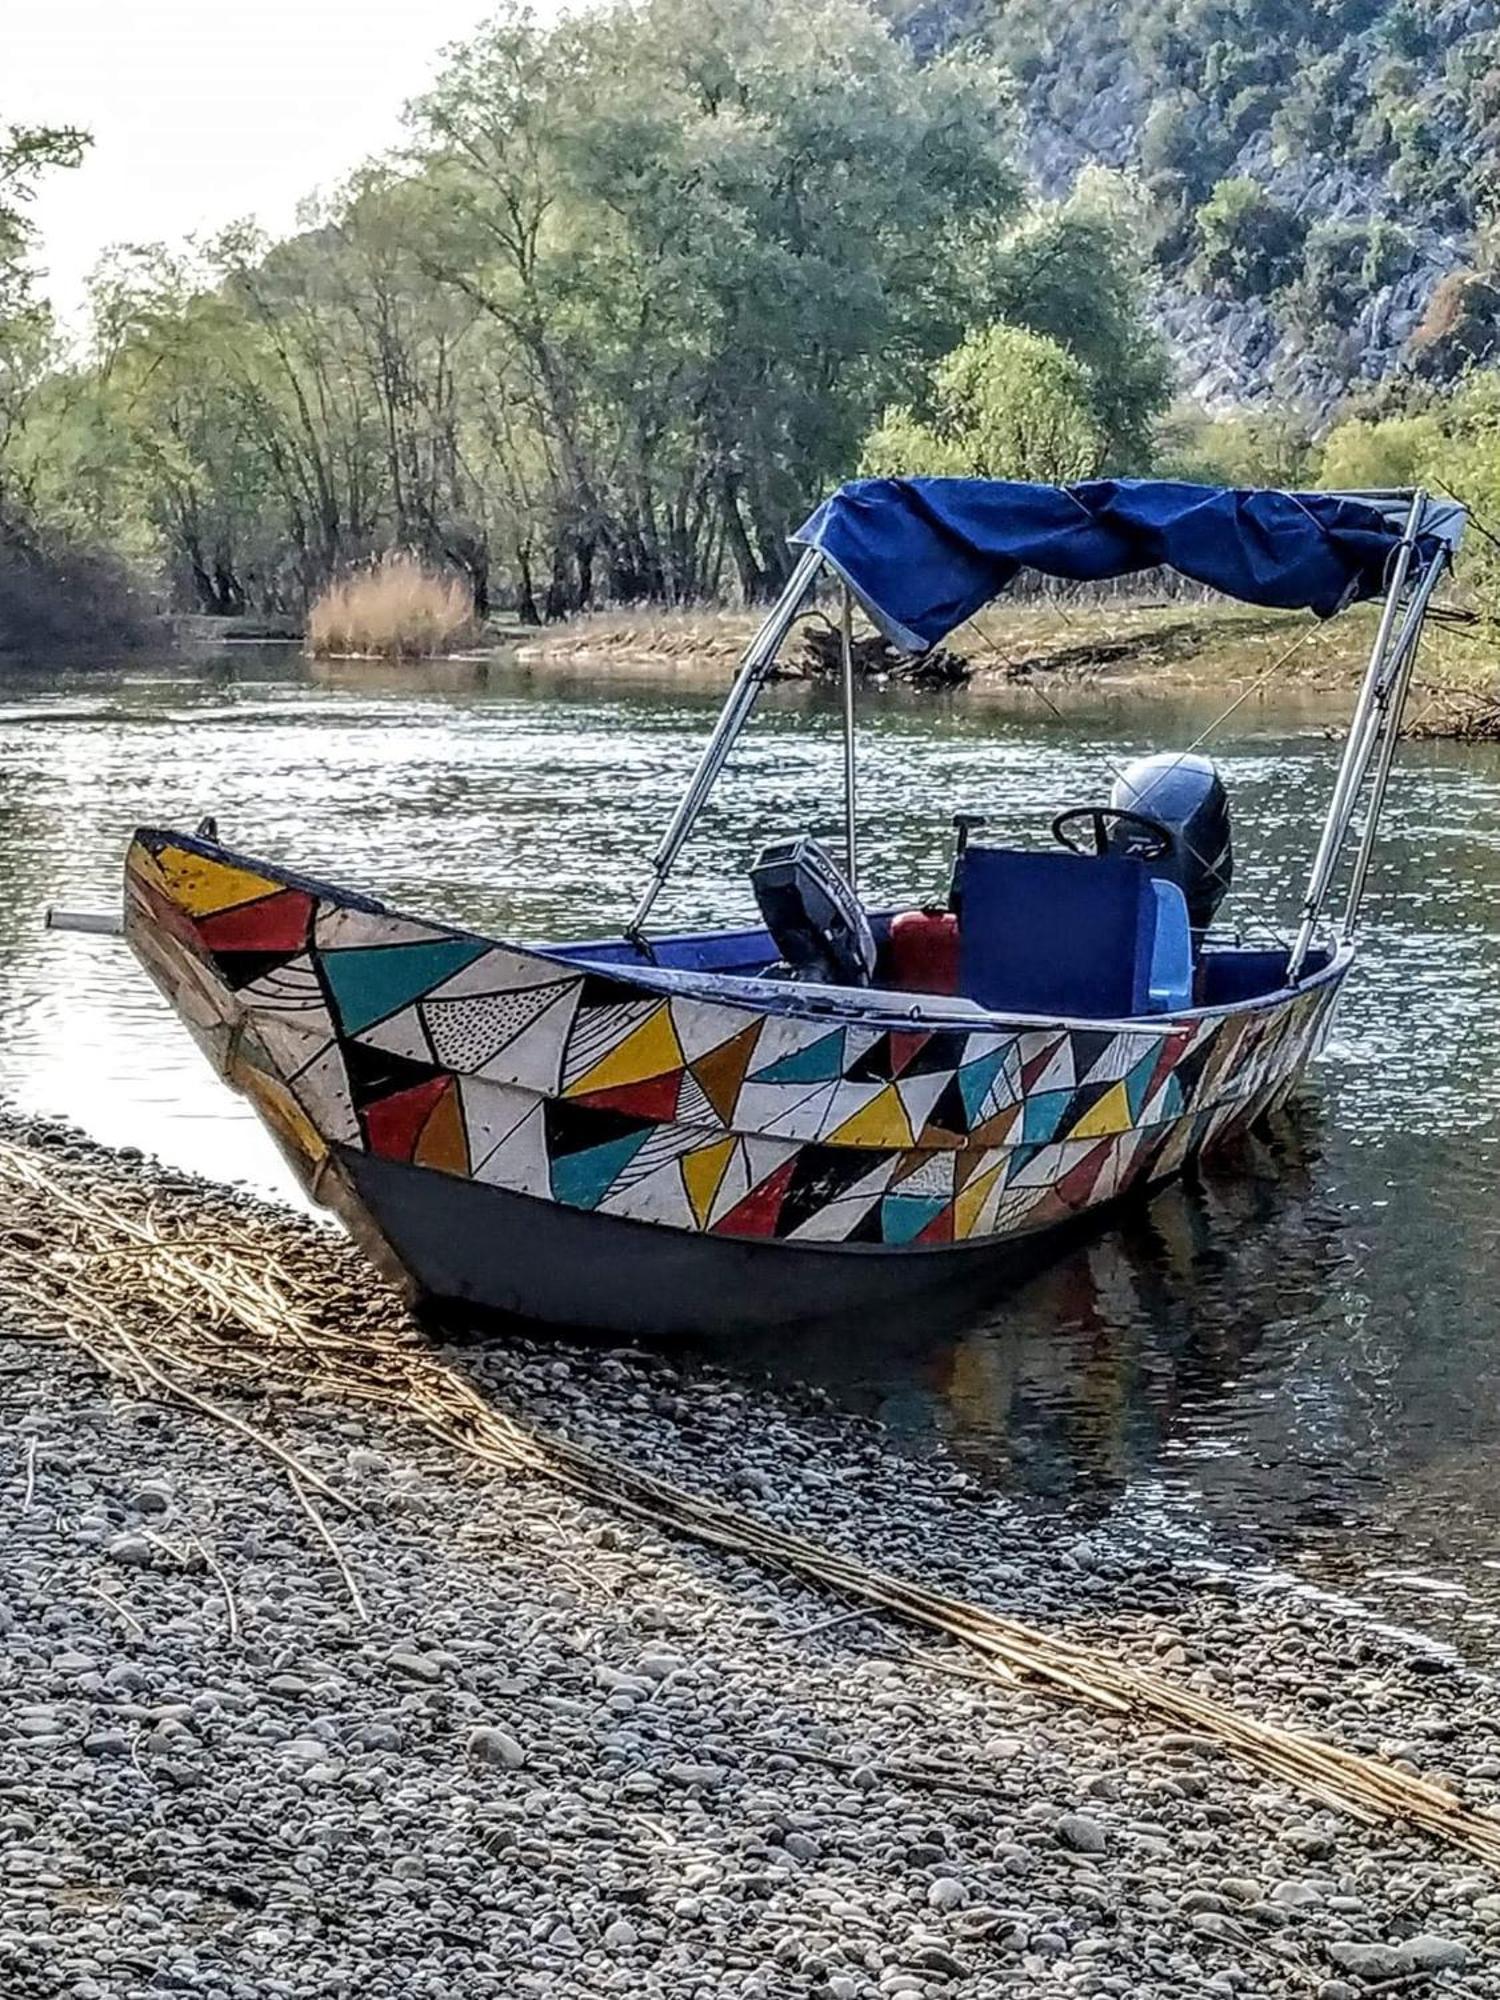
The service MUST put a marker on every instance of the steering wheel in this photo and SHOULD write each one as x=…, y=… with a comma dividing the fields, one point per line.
x=1160, y=840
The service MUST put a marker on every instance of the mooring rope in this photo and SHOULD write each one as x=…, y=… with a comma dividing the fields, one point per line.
x=154, y=1303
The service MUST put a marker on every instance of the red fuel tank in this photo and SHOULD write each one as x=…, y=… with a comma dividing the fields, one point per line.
x=924, y=951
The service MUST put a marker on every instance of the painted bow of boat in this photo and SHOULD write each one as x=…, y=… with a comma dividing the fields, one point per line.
x=594, y=1144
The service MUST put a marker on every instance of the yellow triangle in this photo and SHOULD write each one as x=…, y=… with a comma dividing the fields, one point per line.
x=648, y=1050
x=966, y=1208
x=1111, y=1114
x=201, y=886
x=701, y=1174
x=882, y=1122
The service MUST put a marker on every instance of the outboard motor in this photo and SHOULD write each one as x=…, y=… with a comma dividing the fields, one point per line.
x=816, y=921
x=1186, y=795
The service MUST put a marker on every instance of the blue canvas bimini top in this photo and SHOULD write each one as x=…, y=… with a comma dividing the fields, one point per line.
x=923, y=555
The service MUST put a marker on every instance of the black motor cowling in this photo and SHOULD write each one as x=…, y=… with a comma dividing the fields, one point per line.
x=1186, y=795
x=816, y=921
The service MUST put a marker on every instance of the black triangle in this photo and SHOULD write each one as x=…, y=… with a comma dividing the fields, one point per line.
x=950, y=1113
x=574, y=1128
x=240, y=968
x=943, y=1050
x=821, y=1175
x=1088, y=1045
x=599, y=990
x=1190, y=1069
x=376, y=1073
x=874, y=1066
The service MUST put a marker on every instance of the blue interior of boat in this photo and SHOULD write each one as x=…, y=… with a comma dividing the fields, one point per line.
x=1039, y=934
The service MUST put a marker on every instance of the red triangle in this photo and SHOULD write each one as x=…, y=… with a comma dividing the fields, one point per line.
x=1032, y=1070
x=1077, y=1184
x=905, y=1045
x=1170, y=1055
x=756, y=1213
x=655, y=1097
x=274, y=923
x=393, y=1124
x=940, y=1229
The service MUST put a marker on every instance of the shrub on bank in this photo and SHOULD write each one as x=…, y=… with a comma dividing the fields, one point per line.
x=398, y=609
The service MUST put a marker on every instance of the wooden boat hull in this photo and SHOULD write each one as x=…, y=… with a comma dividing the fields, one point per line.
x=580, y=1145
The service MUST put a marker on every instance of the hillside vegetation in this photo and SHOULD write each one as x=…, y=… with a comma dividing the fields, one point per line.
x=1320, y=178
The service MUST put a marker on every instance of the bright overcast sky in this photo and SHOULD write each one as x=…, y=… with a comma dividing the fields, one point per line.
x=203, y=111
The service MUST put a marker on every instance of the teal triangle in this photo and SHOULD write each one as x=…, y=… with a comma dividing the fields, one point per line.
x=1170, y=1101
x=1020, y=1158
x=1043, y=1113
x=583, y=1179
x=370, y=981
x=819, y=1062
x=975, y=1080
x=1138, y=1082
x=903, y=1216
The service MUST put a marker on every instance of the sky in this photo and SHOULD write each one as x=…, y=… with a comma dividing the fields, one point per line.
x=204, y=111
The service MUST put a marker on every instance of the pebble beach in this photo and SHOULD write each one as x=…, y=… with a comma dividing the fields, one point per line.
x=471, y=1736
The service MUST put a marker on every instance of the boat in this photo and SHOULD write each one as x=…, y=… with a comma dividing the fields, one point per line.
x=838, y=1112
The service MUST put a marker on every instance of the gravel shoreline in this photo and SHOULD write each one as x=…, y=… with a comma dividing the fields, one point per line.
x=567, y=1756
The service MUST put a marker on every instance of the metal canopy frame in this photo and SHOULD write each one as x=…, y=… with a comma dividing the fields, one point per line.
x=1374, y=728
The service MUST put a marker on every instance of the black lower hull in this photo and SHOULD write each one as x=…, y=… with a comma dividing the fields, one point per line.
x=482, y=1249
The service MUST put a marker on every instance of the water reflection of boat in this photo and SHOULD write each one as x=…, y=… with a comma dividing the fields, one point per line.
x=836, y=1111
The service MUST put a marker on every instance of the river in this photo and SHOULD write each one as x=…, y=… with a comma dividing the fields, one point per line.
x=1293, y=1364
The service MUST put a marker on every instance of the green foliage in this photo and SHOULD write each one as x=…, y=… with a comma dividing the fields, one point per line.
x=1064, y=273
x=1373, y=452
x=1248, y=244
x=1343, y=264
x=27, y=152
x=1006, y=404
x=1467, y=462
x=1250, y=448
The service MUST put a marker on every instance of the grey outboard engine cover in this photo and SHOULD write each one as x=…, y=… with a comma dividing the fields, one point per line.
x=1187, y=795
x=816, y=921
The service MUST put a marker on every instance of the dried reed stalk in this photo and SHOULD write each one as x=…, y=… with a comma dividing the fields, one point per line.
x=149, y=1303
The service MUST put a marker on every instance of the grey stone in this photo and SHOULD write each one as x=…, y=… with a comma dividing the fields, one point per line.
x=1082, y=1834
x=488, y=1745
x=946, y=1893
x=132, y=1550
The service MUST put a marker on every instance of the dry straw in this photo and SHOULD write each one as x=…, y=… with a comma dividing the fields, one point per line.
x=156, y=1306
x=397, y=609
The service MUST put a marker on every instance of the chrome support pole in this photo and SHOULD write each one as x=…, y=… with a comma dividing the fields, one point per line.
x=1355, y=762
x=759, y=657
x=1395, y=710
x=846, y=635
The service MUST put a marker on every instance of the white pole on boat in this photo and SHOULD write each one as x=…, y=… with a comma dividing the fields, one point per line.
x=1395, y=710
x=846, y=648
x=760, y=657
x=1355, y=762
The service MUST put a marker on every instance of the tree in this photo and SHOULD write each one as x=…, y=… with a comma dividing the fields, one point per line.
x=1006, y=404
x=1068, y=272
x=1248, y=244
x=26, y=153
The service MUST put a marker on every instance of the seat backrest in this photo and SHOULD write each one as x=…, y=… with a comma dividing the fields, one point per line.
x=1062, y=935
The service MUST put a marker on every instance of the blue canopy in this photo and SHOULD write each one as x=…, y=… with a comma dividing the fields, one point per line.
x=923, y=555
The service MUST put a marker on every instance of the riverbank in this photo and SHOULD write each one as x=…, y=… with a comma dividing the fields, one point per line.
x=1078, y=653
x=420, y=1732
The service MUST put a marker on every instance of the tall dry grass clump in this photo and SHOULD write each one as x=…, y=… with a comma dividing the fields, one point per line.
x=397, y=609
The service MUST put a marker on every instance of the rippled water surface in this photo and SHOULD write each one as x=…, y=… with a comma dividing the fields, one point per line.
x=1299, y=1360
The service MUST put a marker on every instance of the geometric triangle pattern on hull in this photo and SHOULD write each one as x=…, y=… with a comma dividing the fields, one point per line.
x=741, y=1118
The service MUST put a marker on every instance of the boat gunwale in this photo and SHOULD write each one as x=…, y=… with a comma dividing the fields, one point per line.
x=760, y=996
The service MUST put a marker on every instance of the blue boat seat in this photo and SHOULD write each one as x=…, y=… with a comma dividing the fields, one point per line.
x=1062, y=935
